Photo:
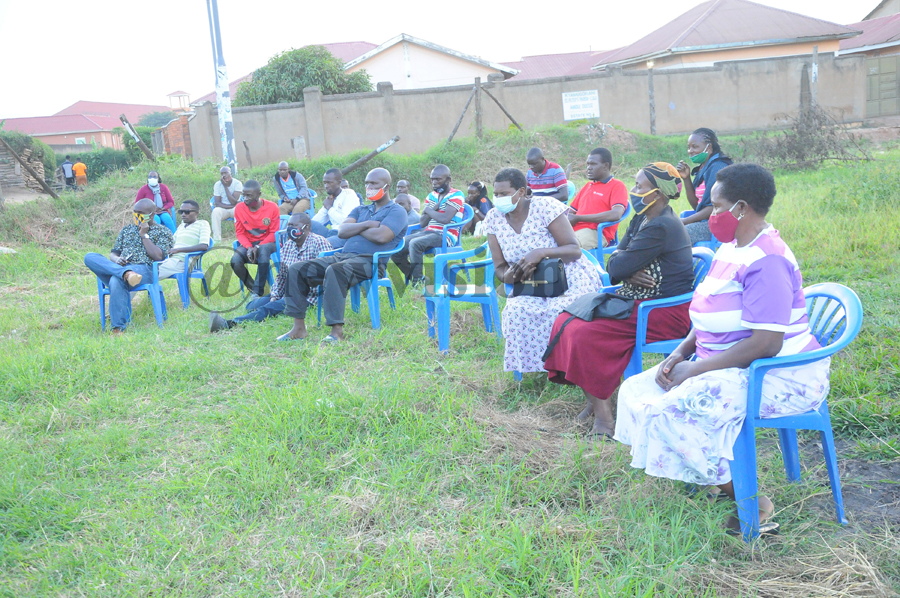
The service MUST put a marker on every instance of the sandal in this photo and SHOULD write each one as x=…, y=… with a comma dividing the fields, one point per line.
x=598, y=436
x=330, y=340
x=286, y=338
x=766, y=527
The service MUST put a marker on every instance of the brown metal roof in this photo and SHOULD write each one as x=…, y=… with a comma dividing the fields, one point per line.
x=728, y=23
x=875, y=32
x=556, y=65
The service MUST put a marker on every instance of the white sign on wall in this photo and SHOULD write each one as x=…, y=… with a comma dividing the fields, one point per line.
x=581, y=104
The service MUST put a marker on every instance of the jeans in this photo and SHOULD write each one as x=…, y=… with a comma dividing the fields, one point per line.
x=119, y=290
x=166, y=219
x=338, y=272
x=322, y=230
x=239, y=265
x=260, y=309
x=410, y=258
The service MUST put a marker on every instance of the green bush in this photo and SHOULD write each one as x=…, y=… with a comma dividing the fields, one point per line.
x=100, y=162
x=40, y=150
x=132, y=151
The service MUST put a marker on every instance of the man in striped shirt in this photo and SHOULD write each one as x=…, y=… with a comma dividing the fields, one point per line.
x=546, y=178
x=443, y=206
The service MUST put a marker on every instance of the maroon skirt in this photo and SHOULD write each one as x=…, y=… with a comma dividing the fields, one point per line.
x=593, y=355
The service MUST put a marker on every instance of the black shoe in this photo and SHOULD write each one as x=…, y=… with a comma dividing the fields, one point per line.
x=217, y=323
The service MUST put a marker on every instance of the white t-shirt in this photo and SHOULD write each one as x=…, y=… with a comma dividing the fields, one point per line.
x=340, y=209
x=188, y=236
x=235, y=188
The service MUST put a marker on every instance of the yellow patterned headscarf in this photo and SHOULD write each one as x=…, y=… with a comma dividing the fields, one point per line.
x=664, y=177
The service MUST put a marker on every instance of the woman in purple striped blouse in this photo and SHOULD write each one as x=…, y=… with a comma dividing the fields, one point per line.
x=683, y=417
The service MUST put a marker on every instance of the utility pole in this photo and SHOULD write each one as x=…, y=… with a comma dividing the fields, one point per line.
x=223, y=95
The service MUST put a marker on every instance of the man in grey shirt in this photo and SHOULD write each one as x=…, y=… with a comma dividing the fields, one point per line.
x=226, y=195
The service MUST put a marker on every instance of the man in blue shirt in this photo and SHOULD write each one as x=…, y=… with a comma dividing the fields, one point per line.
x=293, y=193
x=377, y=226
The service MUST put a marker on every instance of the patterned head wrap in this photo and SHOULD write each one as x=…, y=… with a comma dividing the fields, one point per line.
x=664, y=177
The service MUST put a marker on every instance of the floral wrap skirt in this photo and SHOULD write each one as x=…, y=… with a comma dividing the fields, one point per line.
x=688, y=433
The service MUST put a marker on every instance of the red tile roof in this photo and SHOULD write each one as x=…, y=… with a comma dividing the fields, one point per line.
x=556, y=65
x=728, y=23
x=346, y=51
x=107, y=109
x=56, y=125
x=875, y=32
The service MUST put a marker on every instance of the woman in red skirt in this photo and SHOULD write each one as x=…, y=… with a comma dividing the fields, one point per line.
x=653, y=261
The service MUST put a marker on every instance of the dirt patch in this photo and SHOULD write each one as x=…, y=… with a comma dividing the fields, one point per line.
x=17, y=195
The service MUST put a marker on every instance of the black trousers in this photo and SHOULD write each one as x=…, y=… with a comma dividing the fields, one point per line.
x=239, y=265
x=339, y=272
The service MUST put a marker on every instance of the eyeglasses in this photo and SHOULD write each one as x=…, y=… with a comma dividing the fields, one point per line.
x=183, y=212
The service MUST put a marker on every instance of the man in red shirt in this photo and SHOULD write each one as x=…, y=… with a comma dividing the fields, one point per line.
x=256, y=221
x=604, y=199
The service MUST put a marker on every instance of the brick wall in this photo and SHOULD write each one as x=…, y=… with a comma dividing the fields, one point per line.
x=177, y=137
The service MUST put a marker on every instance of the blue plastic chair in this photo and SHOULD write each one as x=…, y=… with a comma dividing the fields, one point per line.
x=703, y=259
x=154, y=291
x=193, y=268
x=713, y=243
x=599, y=252
x=371, y=287
x=439, y=296
x=312, y=204
x=835, y=317
x=412, y=228
x=453, y=246
x=571, y=190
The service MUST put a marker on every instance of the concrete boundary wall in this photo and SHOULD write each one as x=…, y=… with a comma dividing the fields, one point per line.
x=728, y=97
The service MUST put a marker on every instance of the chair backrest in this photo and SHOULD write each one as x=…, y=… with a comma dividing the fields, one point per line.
x=687, y=213
x=604, y=277
x=284, y=220
x=835, y=314
x=571, y=189
x=608, y=224
x=703, y=259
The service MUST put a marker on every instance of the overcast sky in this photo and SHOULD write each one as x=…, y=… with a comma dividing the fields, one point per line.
x=56, y=52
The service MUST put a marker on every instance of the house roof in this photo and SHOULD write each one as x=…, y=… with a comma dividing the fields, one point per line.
x=876, y=33
x=719, y=24
x=177, y=93
x=404, y=37
x=556, y=65
x=57, y=124
x=107, y=109
x=346, y=51
x=875, y=10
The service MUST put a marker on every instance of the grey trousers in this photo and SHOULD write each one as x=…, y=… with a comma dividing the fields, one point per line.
x=698, y=231
x=339, y=272
x=410, y=258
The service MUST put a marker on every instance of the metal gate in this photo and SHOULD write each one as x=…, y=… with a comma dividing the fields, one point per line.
x=882, y=86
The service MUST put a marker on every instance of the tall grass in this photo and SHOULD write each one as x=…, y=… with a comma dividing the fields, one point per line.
x=173, y=462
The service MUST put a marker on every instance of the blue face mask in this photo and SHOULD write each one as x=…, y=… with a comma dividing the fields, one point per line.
x=505, y=204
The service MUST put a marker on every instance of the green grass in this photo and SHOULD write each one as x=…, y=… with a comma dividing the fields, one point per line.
x=171, y=462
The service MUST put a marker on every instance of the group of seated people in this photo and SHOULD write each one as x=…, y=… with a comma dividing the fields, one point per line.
x=681, y=418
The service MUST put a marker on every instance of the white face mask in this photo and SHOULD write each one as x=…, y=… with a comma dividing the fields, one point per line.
x=152, y=182
x=505, y=204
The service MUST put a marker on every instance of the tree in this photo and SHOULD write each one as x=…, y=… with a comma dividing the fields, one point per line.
x=282, y=80
x=156, y=119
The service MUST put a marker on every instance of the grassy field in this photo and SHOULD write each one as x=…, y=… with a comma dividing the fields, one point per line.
x=171, y=462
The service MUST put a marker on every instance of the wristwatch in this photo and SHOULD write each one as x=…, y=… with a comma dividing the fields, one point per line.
x=146, y=236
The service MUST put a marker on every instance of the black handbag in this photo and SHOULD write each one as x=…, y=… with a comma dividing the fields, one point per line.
x=590, y=306
x=548, y=280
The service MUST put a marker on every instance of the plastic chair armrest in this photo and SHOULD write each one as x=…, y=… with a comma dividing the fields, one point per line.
x=382, y=254
x=329, y=252
x=644, y=309
x=759, y=368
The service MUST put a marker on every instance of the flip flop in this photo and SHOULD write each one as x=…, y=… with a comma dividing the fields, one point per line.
x=598, y=435
x=285, y=338
x=769, y=528
x=330, y=340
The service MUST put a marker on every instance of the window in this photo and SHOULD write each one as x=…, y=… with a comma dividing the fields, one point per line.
x=80, y=141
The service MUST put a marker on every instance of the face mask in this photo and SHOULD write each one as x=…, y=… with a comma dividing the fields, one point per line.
x=374, y=195
x=139, y=219
x=701, y=157
x=505, y=204
x=724, y=225
x=638, y=204
x=441, y=190
x=152, y=182
x=293, y=233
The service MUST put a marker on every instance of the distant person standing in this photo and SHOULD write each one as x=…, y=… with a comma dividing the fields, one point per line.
x=546, y=178
x=292, y=190
x=80, y=170
x=226, y=196
x=68, y=173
